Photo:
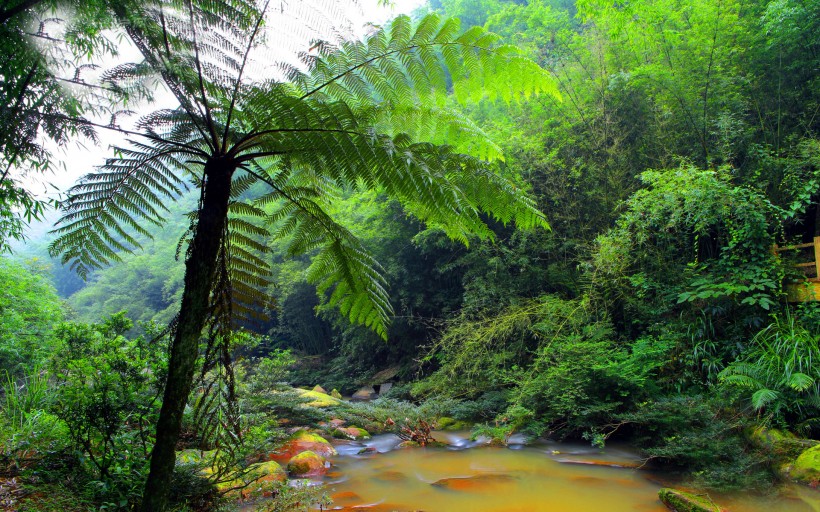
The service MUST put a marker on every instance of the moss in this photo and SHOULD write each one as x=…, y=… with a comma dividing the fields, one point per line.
x=780, y=444
x=306, y=463
x=303, y=436
x=260, y=479
x=335, y=394
x=447, y=423
x=196, y=457
x=806, y=469
x=351, y=432
x=682, y=501
x=318, y=399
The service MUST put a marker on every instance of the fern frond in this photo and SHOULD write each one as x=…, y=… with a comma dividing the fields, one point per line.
x=402, y=63
x=107, y=206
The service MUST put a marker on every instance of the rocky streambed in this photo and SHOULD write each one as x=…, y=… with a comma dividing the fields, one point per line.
x=378, y=475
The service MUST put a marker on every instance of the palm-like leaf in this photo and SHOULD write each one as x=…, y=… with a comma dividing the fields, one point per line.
x=763, y=397
x=357, y=115
x=365, y=114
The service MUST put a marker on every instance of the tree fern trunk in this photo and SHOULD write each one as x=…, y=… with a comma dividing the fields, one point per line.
x=199, y=272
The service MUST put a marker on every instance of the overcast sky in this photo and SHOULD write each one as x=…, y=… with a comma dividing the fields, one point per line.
x=77, y=159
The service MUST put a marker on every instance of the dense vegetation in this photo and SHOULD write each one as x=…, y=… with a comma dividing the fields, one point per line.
x=684, y=145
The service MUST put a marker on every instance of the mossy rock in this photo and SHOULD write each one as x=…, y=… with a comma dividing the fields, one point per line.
x=318, y=399
x=446, y=423
x=335, y=394
x=190, y=456
x=301, y=441
x=780, y=444
x=351, y=432
x=681, y=501
x=258, y=480
x=307, y=464
x=319, y=389
x=806, y=469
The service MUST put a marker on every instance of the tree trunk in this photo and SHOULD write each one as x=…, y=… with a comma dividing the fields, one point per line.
x=199, y=273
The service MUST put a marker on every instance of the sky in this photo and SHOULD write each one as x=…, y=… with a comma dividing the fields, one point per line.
x=78, y=158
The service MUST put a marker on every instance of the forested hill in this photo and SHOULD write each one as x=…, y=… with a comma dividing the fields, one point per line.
x=720, y=99
x=684, y=145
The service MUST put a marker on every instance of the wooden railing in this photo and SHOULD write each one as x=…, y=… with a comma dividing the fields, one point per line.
x=804, y=291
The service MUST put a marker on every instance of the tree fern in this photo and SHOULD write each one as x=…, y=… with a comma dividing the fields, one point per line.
x=366, y=114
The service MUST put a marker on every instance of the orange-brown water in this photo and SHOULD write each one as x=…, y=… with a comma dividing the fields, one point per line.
x=539, y=477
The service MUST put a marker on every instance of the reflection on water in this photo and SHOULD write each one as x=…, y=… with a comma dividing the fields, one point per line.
x=544, y=476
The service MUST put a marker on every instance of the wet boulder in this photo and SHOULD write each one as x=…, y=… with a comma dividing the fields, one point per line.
x=302, y=441
x=681, y=501
x=783, y=446
x=806, y=469
x=317, y=399
x=307, y=464
x=365, y=393
x=447, y=423
x=258, y=480
x=351, y=432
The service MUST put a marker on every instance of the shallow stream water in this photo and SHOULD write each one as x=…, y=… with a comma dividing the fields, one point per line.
x=543, y=476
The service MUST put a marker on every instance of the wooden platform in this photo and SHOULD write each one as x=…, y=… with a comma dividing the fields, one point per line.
x=808, y=289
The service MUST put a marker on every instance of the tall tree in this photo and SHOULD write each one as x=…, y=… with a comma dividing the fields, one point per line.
x=366, y=114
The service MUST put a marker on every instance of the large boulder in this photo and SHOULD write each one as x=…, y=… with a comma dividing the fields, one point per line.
x=307, y=464
x=319, y=389
x=806, y=469
x=365, y=393
x=447, y=423
x=317, y=399
x=258, y=480
x=783, y=446
x=681, y=501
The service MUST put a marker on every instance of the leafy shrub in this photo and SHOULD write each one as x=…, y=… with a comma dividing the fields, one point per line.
x=29, y=311
x=486, y=406
x=696, y=434
x=28, y=431
x=779, y=374
x=691, y=237
x=108, y=390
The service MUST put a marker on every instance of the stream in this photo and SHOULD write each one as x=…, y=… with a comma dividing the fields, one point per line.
x=542, y=476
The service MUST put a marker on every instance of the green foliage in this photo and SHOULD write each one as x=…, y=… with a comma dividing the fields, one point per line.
x=29, y=430
x=514, y=418
x=29, y=310
x=691, y=237
x=18, y=208
x=483, y=408
x=291, y=498
x=323, y=119
x=399, y=416
x=779, y=373
x=107, y=394
x=556, y=360
x=695, y=433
